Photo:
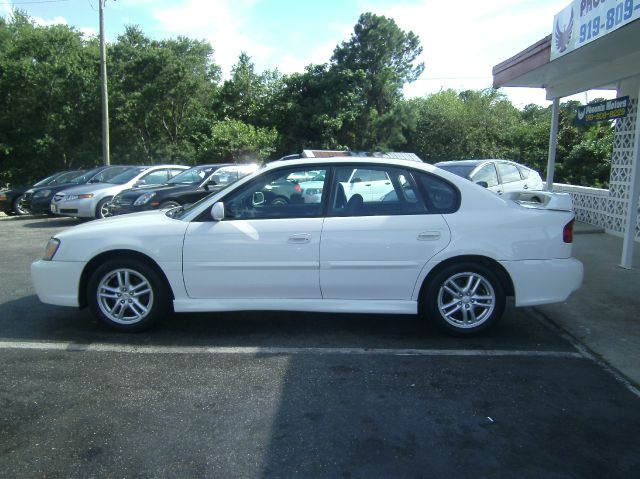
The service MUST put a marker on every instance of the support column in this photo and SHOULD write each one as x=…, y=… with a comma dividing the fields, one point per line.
x=634, y=192
x=553, y=140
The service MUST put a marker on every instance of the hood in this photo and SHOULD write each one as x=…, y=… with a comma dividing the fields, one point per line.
x=119, y=225
x=90, y=188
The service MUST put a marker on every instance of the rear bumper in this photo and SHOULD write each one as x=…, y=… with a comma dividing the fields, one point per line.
x=57, y=282
x=544, y=281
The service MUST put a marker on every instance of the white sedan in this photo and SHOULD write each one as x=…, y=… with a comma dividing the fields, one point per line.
x=441, y=247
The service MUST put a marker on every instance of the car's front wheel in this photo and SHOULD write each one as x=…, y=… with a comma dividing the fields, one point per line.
x=102, y=210
x=127, y=295
x=17, y=207
x=464, y=299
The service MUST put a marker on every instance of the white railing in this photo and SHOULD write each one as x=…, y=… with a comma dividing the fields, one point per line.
x=595, y=207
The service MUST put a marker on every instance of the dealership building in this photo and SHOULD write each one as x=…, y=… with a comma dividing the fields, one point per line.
x=594, y=44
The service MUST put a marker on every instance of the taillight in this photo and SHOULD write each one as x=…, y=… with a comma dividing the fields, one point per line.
x=298, y=188
x=567, y=232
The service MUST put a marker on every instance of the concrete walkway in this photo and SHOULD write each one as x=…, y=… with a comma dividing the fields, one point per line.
x=604, y=314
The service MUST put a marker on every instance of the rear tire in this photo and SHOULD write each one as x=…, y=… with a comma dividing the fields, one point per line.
x=127, y=295
x=464, y=299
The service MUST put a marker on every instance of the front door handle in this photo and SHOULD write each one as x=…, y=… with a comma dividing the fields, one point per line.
x=299, y=238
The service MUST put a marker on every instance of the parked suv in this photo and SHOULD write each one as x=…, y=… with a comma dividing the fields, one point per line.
x=91, y=200
x=187, y=187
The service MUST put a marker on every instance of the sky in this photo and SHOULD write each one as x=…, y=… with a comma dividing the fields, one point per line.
x=462, y=39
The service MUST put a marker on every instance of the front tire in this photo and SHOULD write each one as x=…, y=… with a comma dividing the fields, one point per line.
x=127, y=295
x=19, y=210
x=102, y=210
x=464, y=299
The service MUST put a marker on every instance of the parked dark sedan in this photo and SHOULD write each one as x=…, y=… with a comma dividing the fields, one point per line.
x=38, y=200
x=185, y=188
x=10, y=199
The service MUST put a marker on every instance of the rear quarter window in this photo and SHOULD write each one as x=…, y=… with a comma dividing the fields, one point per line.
x=439, y=195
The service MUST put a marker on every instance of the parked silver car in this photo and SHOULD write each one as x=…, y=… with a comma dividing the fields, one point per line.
x=499, y=176
x=91, y=200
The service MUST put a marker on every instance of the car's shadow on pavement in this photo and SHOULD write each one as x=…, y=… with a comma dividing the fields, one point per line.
x=49, y=222
x=27, y=319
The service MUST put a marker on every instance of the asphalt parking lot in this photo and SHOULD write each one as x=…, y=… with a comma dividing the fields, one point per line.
x=296, y=395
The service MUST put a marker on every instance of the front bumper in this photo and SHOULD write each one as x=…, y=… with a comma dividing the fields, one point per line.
x=6, y=207
x=38, y=205
x=544, y=281
x=57, y=282
x=84, y=208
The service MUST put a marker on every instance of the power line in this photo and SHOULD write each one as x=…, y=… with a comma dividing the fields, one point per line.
x=28, y=3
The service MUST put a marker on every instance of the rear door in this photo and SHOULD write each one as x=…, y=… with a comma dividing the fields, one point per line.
x=376, y=249
x=510, y=177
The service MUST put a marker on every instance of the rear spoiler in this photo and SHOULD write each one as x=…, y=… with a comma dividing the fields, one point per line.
x=544, y=200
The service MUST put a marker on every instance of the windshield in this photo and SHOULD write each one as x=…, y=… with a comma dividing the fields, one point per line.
x=460, y=170
x=190, y=176
x=125, y=176
x=47, y=180
x=66, y=177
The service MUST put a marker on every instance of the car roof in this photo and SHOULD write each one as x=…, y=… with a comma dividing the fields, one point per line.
x=349, y=160
x=474, y=162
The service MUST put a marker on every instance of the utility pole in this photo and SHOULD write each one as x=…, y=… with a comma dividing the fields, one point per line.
x=105, y=96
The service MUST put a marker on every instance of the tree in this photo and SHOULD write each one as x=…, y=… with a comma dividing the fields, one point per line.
x=247, y=96
x=49, y=113
x=235, y=141
x=160, y=97
x=464, y=125
x=381, y=58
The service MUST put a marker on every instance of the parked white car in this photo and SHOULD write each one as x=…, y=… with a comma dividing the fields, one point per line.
x=92, y=200
x=439, y=247
x=499, y=176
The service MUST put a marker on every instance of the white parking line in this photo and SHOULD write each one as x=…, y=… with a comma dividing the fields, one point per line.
x=256, y=350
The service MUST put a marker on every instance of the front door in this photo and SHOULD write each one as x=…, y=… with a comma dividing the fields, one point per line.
x=261, y=250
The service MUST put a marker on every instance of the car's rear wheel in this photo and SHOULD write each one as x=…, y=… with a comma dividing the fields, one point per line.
x=464, y=299
x=102, y=210
x=19, y=210
x=127, y=295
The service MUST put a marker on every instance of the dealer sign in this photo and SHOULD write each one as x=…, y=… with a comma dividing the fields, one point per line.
x=602, y=111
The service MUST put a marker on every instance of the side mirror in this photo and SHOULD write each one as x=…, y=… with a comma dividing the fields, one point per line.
x=356, y=180
x=258, y=198
x=217, y=211
x=484, y=184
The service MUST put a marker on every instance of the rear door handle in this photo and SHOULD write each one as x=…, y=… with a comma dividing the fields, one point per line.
x=429, y=236
x=299, y=238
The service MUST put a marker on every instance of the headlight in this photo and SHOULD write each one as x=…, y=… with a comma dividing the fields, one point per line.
x=3, y=197
x=143, y=199
x=50, y=250
x=78, y=197
x=42, y=194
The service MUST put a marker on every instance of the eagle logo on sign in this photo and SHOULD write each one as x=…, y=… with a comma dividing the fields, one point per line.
x=563, y=37
x=581, y=113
